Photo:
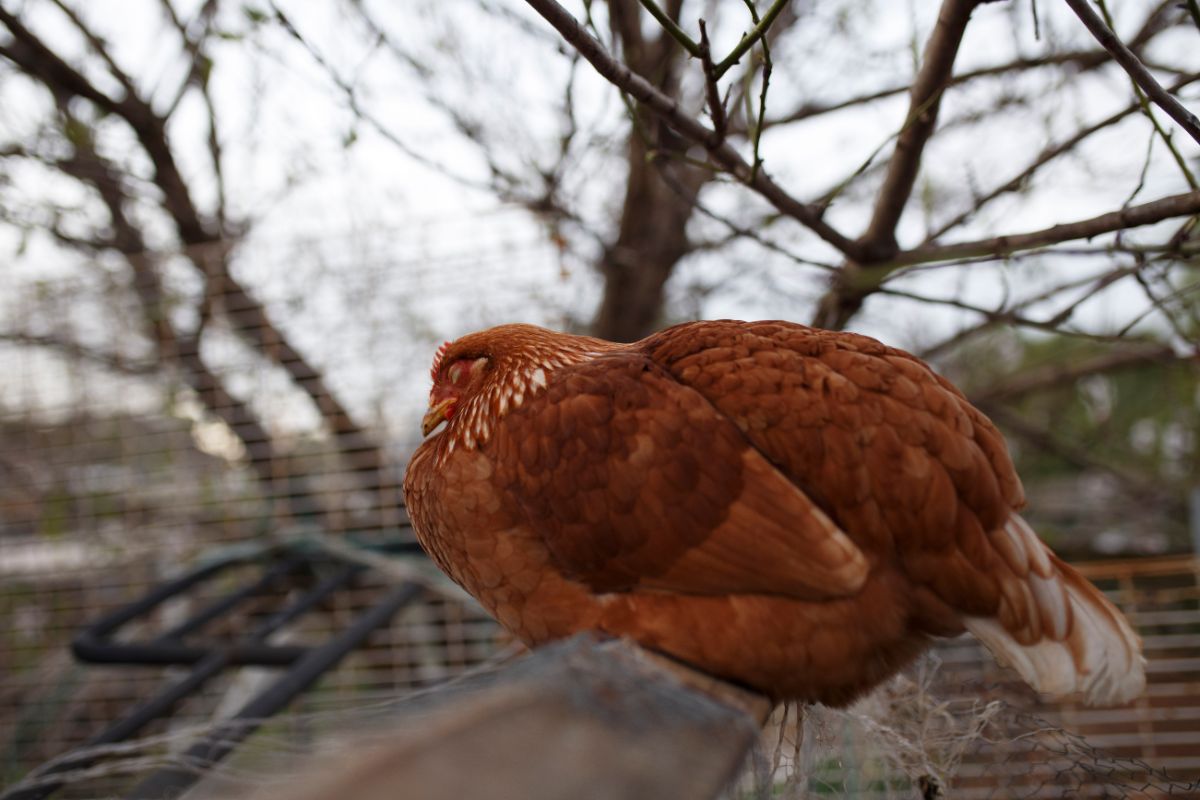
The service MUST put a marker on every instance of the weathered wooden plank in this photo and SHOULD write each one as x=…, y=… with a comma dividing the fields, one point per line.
x=590, y=718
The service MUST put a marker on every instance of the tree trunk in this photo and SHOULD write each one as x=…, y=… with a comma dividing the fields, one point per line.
x=659, y=200
x=660, y=193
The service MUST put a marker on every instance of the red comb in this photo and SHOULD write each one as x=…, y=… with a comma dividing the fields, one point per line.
x=437, y=359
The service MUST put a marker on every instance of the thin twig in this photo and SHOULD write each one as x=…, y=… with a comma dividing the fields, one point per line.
x=993, y=316
x=999, y=317
x=1079, y=455
x=198, y=63
x=199, y=71
x=1056, y=374
x=759, y=31
x=1148, y=111
x=1015, y=314
x=355, y=107
x=1135, y=68
x=762, y=96
x=1193, y=8
x=675, y=32
x=1160, y=304
x=98, y=46
x=1049, y=154
x=738, y=231
x=1083, y=60
x=32, y=56
x=827, y=199
x=712, y=91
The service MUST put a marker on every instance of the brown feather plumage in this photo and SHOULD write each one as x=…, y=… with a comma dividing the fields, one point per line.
x=794, y=509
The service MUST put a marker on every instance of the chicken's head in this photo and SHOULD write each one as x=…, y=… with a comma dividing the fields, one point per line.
x=480, y=377
x=454, y=379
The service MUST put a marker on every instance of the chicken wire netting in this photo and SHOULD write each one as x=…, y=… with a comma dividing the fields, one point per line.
x=275, y=401
x=953, y=725
x=128, y=451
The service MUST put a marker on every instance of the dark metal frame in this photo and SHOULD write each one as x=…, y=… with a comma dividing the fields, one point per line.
x=303, y=665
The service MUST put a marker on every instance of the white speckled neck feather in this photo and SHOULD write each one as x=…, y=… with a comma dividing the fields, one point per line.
x=517, y=377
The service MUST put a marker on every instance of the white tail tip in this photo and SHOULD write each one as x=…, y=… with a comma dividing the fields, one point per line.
x=1075, y=640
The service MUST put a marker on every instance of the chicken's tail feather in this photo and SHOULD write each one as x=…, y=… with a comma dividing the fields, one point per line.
x=1057, y=629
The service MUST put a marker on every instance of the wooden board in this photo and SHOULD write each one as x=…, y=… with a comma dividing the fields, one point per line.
x=590, y=718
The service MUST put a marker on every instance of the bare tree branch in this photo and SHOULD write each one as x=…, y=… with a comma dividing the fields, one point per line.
x=193, y=46
x=1003, y=315
x=662, y=187
x=203, y=242
x=1086, y=59
x=199, y=69
x=351, y=94
x=1044, y=439
x=1059, y=374
x=172, y=348
x=687, y=127
x=879, y=240
x=1179, y=205
x=97, y=46
x=1184, y=330
x=1136, y=69
x=756, y=130
x=27, y=52
x=993, y=317
x=672, y=28
x=712, y=90
x=1045, y=157
x=1018, y=181
x=761, y=26
x=859, y=277
x=1156, y=22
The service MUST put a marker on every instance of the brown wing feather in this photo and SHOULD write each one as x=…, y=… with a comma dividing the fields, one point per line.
x=633, y=480
x=914, y=474
x=894, y=454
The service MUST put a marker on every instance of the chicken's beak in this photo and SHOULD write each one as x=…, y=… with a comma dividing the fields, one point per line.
x=436, y=415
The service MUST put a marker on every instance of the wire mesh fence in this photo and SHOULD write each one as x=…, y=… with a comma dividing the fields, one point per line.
x=270, y=398
x=960, y=725
x=277, y=401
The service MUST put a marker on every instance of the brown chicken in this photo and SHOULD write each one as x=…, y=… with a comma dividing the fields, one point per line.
x=793, y=509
